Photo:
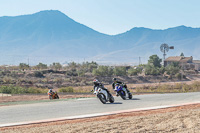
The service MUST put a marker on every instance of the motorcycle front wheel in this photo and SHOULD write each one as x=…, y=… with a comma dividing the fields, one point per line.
x=50, y=97
x=129, y=95
x=102, y=98
x=122, y=95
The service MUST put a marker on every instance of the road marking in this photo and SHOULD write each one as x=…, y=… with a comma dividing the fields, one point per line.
x=94, y=115
x=82, y=99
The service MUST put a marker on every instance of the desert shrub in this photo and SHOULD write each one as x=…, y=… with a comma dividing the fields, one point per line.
x=36, y=90
x=177, y=88
x=66, y=89
x=132, y=71
x=81, y=73
x=23, y=66
x=151, y=70
x=8, y=80
x=20, y=90
x=71, y=72
x=59, y=81
x=186, y=88
x=162, y=70
x=172, y=69
x=38, y=74
x=196, y=85
x=56, y=66
x=179, y=76
x=89, y=66
x=41, y=66
x=120, y=71
x=103, y=71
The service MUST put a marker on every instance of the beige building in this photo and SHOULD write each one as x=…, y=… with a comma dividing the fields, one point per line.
x=184, y=62
x=197, y=64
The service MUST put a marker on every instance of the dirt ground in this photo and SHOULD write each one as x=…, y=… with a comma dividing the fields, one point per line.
x=183, y=119
x=17, y=98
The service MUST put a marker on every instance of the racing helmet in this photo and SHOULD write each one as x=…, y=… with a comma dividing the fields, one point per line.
x=114, y=79
x=95, y=81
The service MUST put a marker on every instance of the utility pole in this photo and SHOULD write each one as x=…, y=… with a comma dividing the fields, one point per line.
x=139, y=60
x=28, y=63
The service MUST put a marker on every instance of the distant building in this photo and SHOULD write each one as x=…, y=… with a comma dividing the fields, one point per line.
x=184, y=62
x=197, y=64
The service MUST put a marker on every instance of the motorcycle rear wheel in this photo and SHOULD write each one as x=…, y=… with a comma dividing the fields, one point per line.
x=111, y=99
x=129, y=95
x=57, y=97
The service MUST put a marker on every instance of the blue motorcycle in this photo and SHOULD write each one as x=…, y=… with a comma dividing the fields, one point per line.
x=122, y=92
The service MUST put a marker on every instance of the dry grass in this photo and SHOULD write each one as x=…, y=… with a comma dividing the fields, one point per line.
x=166, y=88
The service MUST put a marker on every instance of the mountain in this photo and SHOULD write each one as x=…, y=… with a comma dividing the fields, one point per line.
x=51, y=36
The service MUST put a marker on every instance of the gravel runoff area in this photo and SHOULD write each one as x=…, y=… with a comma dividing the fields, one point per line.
x=183, y=119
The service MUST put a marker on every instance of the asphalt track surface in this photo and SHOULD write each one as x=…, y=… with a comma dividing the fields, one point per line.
x=87, y=106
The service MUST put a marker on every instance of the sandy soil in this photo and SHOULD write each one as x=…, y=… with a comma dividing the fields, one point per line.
x=16, y=98
x=184, y=119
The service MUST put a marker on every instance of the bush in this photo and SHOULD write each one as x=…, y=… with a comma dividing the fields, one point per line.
x=38, y=74
x=133, y=71
x=172, y=69
x=20, y=90
x=66, y=89
x=179, y=76
x=120, y=71
x=103, y=71
x=151, y=70
x=72, y=72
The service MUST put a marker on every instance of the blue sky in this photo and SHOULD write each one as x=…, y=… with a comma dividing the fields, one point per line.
x=114, y=16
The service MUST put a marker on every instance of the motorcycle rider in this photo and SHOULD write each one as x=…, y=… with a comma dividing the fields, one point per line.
x=99, y=84
x=115, y=82
x=50, y=91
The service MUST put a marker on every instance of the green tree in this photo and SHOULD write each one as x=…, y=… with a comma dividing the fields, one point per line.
x=41, y=66
x=134, y=71
x=155, y=61
x=182, y=54
x=173, y=68
x=120, y=71
x=72, y=65
x=56, y=66
x=89, y=66
x=151, y=70
x=23, y=66
x=103, y=71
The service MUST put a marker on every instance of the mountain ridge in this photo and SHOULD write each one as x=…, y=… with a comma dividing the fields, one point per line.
x=52, y=33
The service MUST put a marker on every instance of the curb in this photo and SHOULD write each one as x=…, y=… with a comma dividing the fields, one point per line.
x=94, y=115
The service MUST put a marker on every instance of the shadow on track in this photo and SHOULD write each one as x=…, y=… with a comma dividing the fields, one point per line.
x=115, y=103
x=133, y=99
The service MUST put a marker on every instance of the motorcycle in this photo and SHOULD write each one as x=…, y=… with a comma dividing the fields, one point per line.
x=53, y=95
x=103, y=95
x=122, y=92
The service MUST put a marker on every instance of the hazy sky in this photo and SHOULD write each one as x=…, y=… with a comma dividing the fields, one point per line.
x=114, y=16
